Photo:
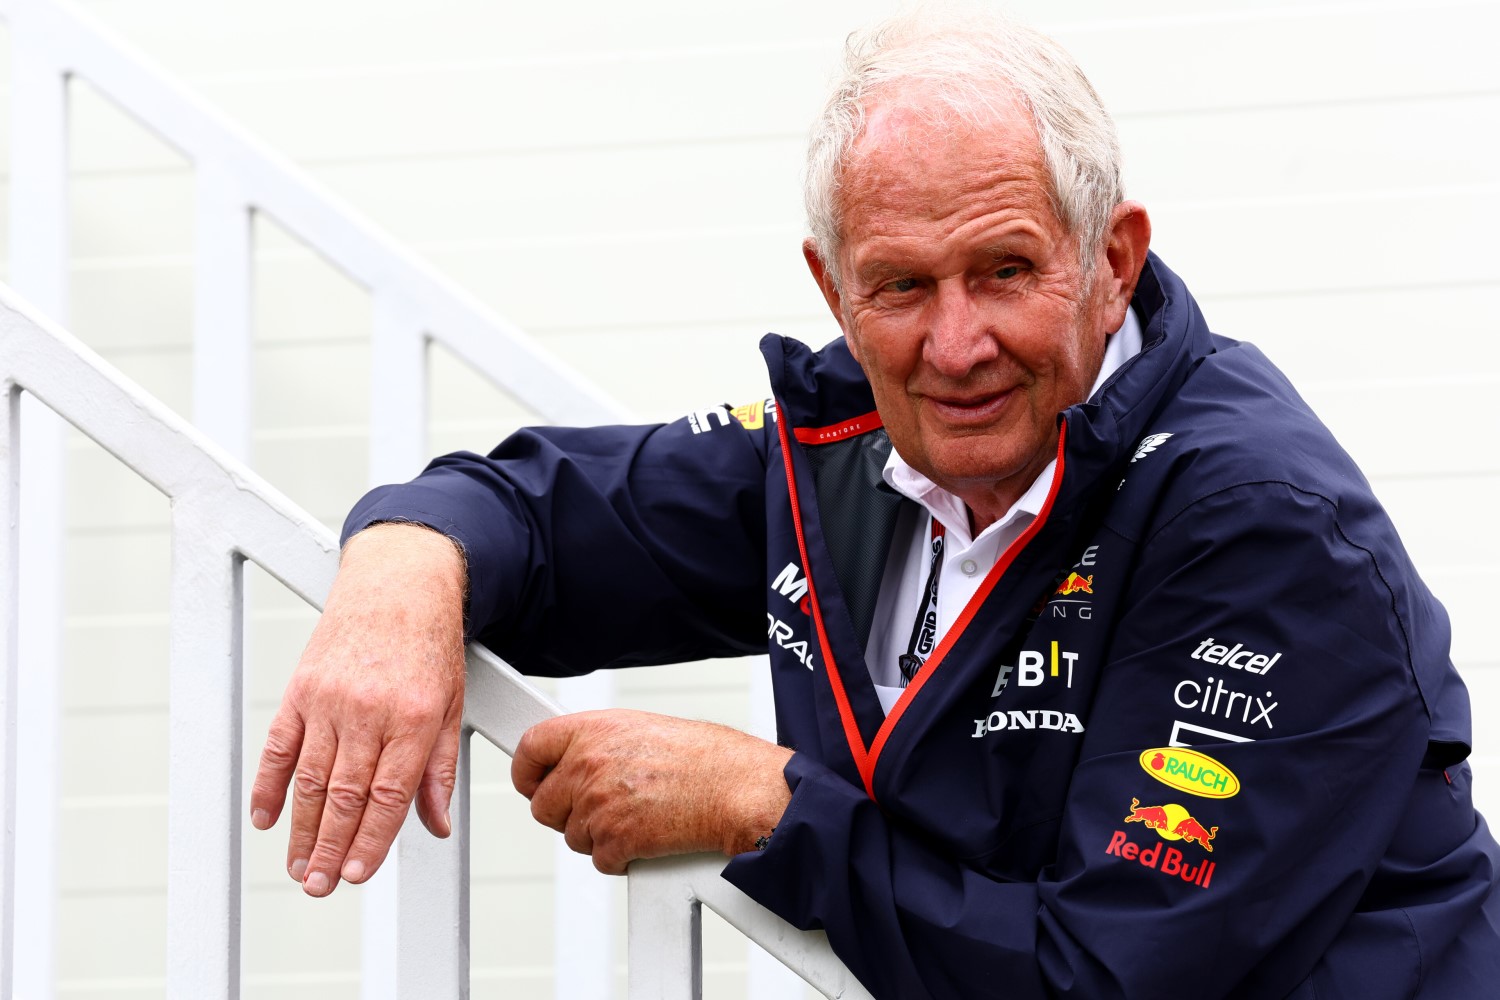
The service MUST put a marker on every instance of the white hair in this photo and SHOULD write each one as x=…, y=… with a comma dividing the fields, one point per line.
x=967, y=67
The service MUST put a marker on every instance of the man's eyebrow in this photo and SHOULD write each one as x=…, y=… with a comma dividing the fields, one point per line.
x=878, y=271
x=1000, y=251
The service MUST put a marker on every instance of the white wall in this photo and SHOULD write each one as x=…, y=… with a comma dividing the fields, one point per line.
x=621, y=179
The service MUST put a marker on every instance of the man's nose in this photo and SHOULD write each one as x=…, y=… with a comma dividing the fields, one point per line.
x=958, y=334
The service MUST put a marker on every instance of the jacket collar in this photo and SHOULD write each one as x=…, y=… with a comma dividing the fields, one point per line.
x=826, y=388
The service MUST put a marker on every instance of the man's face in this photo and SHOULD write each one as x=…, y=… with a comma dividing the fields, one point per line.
x=963, y=300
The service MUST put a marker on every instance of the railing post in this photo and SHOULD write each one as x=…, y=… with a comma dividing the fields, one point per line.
x=432, y=956
x=766, y=978
x=10, y=665
x=398, y=389
x=665, y=933
x=204, y=782
x=223, y=364
x=416, y=912
x=38, y=270
x=583, y=917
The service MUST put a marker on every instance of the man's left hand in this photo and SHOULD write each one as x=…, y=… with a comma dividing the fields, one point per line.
x=621, y=785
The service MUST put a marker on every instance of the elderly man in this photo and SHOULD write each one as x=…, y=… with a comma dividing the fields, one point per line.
x=1099, y=671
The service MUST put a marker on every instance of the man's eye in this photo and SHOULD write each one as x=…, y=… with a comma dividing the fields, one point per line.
x=1009, y=271
x=901, y=285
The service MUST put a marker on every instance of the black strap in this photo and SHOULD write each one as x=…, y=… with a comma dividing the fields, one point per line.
x=924, y=626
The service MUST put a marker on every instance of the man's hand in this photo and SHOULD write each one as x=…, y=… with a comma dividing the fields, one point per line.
x=621, y=785
x=371, y=716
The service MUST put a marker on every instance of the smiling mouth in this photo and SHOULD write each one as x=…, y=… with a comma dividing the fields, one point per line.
x=970, y=410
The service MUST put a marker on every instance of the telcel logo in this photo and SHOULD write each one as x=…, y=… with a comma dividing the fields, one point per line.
x=1190, y=771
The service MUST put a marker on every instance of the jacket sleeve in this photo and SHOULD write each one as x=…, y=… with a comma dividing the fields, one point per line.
x=602, y=547
x=1245, y=900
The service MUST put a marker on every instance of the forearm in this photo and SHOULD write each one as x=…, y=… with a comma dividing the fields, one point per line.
x=394, y=564
x=603, y=547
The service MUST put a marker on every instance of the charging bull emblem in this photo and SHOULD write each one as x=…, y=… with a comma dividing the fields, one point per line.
x=1172, y=822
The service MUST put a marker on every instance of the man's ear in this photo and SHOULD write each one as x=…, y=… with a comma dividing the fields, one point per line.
x=1124, y=254
x=824, y=277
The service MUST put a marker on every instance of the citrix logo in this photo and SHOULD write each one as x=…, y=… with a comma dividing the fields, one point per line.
x=1206, y=699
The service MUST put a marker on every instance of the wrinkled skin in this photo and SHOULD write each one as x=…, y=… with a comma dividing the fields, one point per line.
x=622, y=785
x=370, y=719
x=963, y=299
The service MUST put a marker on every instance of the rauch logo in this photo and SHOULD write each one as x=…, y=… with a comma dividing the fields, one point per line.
x=1190, y=771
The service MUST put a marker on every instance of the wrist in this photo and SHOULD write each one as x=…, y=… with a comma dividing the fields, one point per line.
x=761, y=803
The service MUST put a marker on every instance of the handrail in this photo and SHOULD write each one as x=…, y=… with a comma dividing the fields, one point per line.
x=222, y=515
x=236, y=175
x=431, y=304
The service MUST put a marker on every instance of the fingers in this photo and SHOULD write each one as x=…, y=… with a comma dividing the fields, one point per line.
x=348, y=794
x=384, y=813
x=576, y=835
x=278, y=761
x=435, y=794
x=539, y=750
x=309, y=793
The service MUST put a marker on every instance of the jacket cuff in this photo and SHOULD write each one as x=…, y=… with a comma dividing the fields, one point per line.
x=483, y=592
x=786, y=877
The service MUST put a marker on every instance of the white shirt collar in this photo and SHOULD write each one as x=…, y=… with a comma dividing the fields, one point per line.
x=950, y=511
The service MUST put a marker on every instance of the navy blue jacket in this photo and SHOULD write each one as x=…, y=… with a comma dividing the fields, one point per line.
x=1197, y=733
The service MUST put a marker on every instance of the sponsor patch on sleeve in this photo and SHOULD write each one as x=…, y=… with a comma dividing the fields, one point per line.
x=751, y=416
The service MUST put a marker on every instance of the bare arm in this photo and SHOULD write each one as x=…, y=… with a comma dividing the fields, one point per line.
x=371, y=716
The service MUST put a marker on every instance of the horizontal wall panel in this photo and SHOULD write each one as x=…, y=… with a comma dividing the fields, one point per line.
x=288, y=933
x=1312, y=54
x=118, y=574
x=1430, y=426
x=1470, y=608
x=319, y=474
x=105, y=493
x=137, y=765
x=107, y=942
x=136, y=303
x=113, y=845
x=641, y=684
x=622, y=97
x=1365, y=333
x=258, y=38
x=1336, y=149
x=115, y=665
x=1435, y=515
x=1317, y=244
x=688, y=184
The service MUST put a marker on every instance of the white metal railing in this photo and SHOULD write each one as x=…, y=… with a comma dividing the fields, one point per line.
x=223, y=515
x=235, y=177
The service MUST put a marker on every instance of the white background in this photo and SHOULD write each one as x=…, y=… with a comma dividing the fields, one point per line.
x=622, y=180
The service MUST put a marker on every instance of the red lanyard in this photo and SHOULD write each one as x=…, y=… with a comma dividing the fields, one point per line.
x=924, y=627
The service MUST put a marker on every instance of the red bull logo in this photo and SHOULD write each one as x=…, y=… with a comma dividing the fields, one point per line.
x=1172, y=822
x=1190, y=771
x=753, y=415
x=1076, y=584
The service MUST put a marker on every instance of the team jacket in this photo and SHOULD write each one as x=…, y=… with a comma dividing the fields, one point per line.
x=1197, y=734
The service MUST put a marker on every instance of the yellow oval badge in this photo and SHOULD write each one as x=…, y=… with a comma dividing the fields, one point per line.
x=1190, y=771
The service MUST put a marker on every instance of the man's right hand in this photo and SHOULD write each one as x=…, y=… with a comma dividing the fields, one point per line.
x=371, y=716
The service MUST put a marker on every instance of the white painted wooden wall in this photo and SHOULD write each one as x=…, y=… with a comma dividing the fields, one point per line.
x=621, y=179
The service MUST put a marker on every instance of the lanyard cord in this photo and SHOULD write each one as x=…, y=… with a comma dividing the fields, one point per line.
x=924, y=626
